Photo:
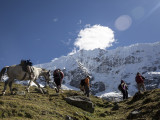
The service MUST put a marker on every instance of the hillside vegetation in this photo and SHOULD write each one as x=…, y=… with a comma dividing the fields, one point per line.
x=52, y=106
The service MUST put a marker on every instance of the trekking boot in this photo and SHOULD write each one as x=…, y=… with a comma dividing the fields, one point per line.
x=56, y=90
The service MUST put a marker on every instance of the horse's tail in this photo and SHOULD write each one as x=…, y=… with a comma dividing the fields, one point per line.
x=3, y=71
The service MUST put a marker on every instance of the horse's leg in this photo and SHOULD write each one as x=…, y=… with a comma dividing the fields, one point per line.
x=29, y=85
x=10, y=86
x=5, y=86
x=39, y=86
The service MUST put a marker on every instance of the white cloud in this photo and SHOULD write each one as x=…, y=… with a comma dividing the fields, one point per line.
x=87, y=25
x=95, y=36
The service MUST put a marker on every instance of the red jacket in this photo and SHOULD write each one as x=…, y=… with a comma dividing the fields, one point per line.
x=139, y=79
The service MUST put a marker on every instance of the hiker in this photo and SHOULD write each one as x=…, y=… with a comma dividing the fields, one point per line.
x=124, y=89
x=82, y=84
x=140, y=82
x=86, y=86
x=58, y=76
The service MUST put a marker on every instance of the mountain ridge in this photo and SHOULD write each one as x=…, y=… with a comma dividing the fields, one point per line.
x=108, y=67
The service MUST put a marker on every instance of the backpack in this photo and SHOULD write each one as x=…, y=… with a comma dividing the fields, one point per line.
x=28, y=62
x=82, y=82
x=120, y=87
x=58, y=73
x=143, y=77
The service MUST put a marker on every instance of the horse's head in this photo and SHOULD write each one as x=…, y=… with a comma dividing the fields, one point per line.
x=47, y=75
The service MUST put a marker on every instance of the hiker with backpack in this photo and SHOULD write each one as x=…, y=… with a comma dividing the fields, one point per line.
x=87, y=86
x=82, y=84
x=58, y=77
x=124, y=89
x=140, y=82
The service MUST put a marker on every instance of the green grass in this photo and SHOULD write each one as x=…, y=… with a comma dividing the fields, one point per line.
x=51, y=106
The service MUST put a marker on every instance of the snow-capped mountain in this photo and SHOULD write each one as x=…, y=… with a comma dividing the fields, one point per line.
x=108, y=67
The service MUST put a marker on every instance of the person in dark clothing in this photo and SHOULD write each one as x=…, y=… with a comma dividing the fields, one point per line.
x=87, y=86
x=140, y=82
x=82, y=84
x=124, y=89
x=58, y=77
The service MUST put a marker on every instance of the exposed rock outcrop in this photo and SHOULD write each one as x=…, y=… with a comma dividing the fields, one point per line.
x=81, y=102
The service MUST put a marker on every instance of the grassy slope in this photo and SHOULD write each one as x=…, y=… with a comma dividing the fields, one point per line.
x=53, y=107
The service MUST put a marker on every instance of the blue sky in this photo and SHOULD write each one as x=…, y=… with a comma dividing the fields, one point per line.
x=42, y=30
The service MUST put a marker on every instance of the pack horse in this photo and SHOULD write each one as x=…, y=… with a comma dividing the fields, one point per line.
x=17, y=72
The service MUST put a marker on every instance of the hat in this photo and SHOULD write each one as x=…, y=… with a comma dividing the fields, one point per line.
x=122, y=81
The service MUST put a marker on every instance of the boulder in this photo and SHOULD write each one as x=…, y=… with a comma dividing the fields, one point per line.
x=81, y=102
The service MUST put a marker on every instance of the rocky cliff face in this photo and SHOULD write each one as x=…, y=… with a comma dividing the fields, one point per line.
x=108, y=67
